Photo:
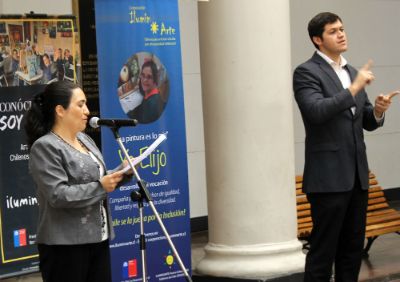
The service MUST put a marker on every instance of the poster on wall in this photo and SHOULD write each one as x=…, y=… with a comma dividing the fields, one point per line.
x=139, y=59
x=33, y=53
x=38, y=51
x=18, y=203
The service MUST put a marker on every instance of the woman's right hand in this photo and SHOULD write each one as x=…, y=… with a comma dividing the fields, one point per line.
x=110, y=181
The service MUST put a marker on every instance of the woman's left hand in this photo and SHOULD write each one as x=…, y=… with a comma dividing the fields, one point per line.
x=110, y=181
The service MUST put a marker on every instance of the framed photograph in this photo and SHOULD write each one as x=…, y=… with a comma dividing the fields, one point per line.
x=3, y=27
x=4, y=40
x=64, y=26
x=15, y=32
x=66, y=34
x=27, y=31
x=52, y=32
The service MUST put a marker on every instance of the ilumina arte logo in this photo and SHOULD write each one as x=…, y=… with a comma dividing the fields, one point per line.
x=19, y=238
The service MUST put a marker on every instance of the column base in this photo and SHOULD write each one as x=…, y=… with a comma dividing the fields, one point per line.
x=263, y=261
x=290, y=278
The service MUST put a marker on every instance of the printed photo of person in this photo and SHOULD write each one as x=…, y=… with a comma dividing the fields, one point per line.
x=143, y=91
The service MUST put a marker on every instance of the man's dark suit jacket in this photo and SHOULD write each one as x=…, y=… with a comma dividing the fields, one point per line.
x=334, y=145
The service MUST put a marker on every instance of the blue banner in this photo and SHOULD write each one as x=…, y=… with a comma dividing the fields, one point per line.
x=140, y=77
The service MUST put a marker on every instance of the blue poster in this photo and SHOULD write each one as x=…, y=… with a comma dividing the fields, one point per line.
x=140, y=77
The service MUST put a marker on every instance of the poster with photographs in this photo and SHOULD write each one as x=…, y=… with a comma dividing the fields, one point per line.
x=33, y=53
x=38, y=51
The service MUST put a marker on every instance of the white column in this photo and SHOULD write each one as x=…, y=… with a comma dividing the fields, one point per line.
x=247, y=100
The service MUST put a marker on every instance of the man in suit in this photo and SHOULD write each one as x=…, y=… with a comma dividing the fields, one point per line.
x=335, y=110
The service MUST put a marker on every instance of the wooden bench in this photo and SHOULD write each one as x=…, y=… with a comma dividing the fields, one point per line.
x=381, y=219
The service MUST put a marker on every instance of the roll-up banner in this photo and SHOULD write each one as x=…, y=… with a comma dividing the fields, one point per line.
x=140, y=77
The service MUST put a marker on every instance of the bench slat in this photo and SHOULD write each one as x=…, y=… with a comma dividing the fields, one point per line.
x=383, y=225
x=377, y=194
x=299, y=185
x=305, y=225
x=376, y=201
x=382, y=231
x=301, y=200
x=378, y=206
x=303, y=213
x=304, y=219
x=374, y=189
x=383, y=218
x=380, y=212
x=302, y=207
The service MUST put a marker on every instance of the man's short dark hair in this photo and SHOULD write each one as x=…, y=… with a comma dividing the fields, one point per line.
x=317, y=24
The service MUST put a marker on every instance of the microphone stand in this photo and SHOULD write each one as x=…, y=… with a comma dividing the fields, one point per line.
x=139, y=196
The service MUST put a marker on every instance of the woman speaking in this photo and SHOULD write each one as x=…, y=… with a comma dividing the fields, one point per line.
x=74, y=223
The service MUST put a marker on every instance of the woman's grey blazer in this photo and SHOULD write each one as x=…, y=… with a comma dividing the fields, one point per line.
x=68, y=190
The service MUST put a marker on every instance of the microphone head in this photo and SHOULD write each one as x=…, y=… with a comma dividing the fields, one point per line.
x=93, y=122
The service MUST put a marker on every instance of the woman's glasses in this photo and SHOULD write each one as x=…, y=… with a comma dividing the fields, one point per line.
x=146, y=77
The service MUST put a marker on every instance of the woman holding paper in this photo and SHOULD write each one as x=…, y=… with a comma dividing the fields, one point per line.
x=72, y=182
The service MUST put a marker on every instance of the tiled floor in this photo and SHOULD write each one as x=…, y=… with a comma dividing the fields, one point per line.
x=384, y=259
x=383, y=264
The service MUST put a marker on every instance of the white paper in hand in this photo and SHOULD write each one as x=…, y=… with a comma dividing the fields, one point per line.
x=148, y=151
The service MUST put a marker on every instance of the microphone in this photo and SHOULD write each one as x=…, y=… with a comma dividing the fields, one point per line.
x=95, y=122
